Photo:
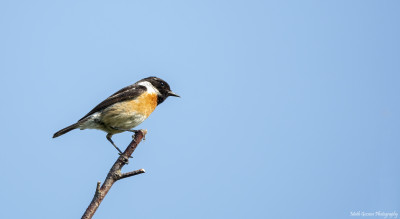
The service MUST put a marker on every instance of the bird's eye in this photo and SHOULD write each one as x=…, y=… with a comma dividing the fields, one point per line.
x=162, y=84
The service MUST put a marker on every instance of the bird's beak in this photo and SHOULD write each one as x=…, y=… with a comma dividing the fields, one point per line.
x=170, y=93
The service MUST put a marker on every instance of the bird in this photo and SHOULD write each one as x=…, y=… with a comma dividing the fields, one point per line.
x=125, y=109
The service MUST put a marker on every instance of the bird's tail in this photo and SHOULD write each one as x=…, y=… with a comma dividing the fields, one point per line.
x=65, y=130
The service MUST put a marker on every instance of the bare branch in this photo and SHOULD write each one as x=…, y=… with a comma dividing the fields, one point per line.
x=98, y=187
x=132, y=173
x=115, y=174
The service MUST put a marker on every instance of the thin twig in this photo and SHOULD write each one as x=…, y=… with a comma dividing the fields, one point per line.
x=132, y=173
x=115, y=174
x=98, y=187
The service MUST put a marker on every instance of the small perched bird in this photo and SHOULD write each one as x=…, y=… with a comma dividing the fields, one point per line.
x=125, y=109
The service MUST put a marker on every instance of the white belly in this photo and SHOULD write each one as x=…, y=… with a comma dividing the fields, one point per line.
x=112, y=122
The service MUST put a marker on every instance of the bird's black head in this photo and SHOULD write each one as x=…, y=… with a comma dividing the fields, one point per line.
x=162, y=88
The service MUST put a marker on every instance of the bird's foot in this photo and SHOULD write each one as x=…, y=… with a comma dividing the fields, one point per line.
x=124, y=159
x=121, y=154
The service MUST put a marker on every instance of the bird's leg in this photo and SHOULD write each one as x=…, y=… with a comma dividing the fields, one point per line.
x=109, y=135
x=127, y=130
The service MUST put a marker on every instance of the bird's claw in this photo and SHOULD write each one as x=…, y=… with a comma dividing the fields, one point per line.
x=121, y=154
x=124, y=159
x=134, y=134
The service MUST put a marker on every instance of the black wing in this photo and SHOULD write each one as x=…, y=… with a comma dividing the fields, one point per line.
x=126, y=93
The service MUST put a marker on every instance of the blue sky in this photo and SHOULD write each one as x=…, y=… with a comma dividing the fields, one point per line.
x=289, y=109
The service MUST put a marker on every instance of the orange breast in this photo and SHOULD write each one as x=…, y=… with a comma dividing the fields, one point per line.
x=129, y=114
x=144, y=104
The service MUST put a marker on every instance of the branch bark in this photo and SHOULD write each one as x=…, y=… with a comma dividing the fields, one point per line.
x=115, y=174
